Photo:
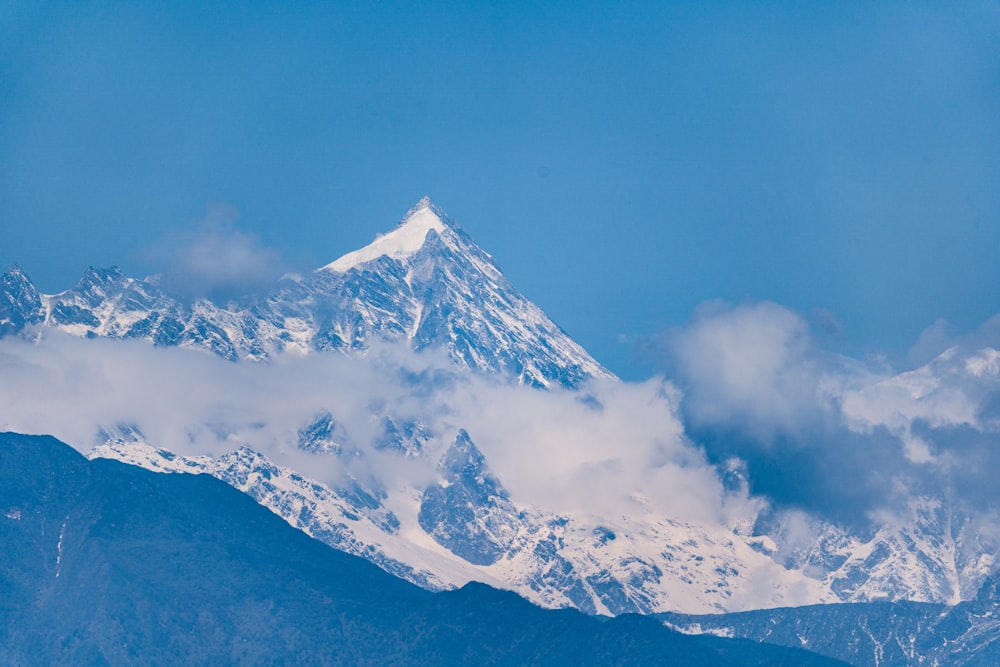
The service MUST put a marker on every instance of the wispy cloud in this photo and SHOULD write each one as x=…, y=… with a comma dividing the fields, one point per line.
x=212, y=258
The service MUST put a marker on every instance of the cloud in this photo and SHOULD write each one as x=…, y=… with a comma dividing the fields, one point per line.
x=618, y=450
x=212, y=258
x=753, y=365
x=621, y=451
x=832, y=436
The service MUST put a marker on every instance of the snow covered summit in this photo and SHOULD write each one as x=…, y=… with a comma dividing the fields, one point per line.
x=404, y=240
x=431, y=283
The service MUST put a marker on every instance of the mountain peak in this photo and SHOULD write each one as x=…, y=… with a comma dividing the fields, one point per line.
x=20, y=303
x=407, y=238
x=16, y=272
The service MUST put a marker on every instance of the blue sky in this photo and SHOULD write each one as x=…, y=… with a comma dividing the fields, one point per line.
x=623, y=164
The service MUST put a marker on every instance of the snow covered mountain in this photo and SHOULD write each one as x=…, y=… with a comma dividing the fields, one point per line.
x=437, y=513
x=933, y=553
x=425, y=282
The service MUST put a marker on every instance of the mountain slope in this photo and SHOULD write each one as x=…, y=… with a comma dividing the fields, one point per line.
x=20, y=303
x=110, y=564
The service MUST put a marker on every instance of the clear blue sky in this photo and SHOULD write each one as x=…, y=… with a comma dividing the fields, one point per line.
x=623, y=162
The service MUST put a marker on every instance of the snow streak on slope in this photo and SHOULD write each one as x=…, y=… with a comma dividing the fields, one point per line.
x=934, y=552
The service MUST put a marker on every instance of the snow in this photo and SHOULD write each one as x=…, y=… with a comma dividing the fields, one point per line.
x=59, y=547
x=697, y=629
x=508, y=334
x=401, y=242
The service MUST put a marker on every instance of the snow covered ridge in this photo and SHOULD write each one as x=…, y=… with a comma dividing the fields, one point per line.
x=425, y=282
x=464, y=527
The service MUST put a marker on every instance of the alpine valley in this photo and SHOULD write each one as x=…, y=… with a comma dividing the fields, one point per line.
x=406, y=404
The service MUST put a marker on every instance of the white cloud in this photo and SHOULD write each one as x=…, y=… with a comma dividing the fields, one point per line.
x=213, y=258
x=620, y=451
x=933, y=395
x=752, y=365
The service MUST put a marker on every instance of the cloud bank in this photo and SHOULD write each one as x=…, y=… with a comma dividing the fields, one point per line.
x=618, y=450
x=836, y=437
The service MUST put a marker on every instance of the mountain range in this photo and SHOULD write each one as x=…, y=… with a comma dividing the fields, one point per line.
x=425, y=283
x=426, y=288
